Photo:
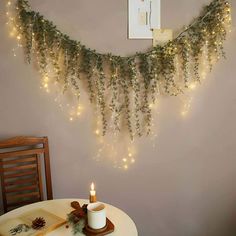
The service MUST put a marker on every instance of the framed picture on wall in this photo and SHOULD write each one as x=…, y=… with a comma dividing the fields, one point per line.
x=144, y=15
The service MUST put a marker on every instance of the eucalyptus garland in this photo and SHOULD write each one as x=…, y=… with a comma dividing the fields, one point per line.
x=124, y=87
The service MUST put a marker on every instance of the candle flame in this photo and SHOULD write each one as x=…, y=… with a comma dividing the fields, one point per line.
x=92, y=186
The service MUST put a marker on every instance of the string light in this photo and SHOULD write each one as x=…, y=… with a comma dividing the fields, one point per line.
x=193, y=86
x=55, y=67
x=203, y=75
x=186, y=106
x=111, y=149
x=79, y=110
x=151, y=105
x=12, y=33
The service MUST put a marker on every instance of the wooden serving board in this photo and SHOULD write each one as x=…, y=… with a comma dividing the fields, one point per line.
x=109, y=228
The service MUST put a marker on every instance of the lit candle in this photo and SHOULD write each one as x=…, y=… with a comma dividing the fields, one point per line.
x=92, y=191
x=92, y=197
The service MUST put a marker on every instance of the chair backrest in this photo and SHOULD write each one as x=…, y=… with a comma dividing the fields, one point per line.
x=21, y=159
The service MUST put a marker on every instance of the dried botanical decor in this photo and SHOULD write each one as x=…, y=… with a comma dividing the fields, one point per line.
x=38, y=223
x=124, y=88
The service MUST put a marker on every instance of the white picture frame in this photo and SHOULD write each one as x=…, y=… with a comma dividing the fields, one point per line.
x=144, y=15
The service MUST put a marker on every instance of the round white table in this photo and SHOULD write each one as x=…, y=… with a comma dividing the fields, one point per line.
x=124, y=226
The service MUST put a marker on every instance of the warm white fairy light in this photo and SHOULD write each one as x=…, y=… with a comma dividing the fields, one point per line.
x=187, y=102
x=79, y=110
x=112, y=149
x=11, y=24
x=50, y=78
x=151, y=105
x=193, y=85
x=12, y=33
x=97, y=131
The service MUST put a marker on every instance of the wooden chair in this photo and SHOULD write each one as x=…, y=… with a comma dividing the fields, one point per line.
x=21, y=159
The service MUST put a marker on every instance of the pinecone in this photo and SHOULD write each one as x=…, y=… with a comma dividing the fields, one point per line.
x=38, y=223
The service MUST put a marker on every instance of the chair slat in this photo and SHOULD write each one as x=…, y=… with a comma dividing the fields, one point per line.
x=21, y=181
x=11, y=169
x=21, y=189
x=22, y=153
x=10, y=198
x=22, y=141
x=21, y=160
x=19, y=174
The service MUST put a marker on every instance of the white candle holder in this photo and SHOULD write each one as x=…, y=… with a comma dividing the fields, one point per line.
x=96, y=215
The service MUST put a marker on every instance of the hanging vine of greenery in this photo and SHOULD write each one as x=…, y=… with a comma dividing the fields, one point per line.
x=123, y=88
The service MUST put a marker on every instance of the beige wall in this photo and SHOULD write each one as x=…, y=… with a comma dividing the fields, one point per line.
x=186, y=186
